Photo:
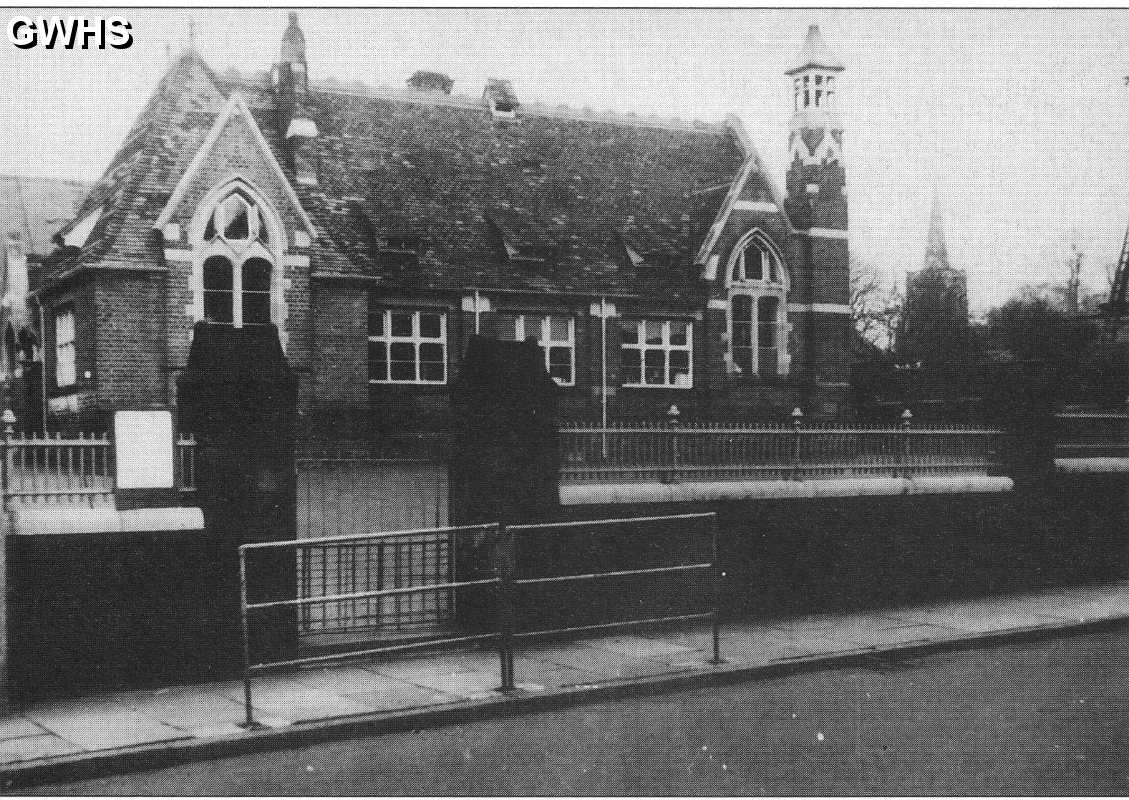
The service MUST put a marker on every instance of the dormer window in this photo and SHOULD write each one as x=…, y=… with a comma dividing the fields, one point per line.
x=500, y=98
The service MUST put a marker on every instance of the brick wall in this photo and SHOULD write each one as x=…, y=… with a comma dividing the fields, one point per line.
x=130, y=336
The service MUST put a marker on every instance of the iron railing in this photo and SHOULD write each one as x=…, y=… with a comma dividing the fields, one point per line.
x=39, y=470
x=1089, y=434
x=496, y=550
x=725, y=451
x=73, y=469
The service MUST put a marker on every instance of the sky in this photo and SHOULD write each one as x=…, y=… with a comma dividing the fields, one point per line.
x=1014, y=119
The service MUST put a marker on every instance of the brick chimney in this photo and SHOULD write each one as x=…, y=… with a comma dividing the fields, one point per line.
x=291, y=85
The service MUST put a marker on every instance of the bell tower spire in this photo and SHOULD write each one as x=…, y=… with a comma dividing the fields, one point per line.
x=816, y=177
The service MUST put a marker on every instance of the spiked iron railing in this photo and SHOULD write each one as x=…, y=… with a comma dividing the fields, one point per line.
x=728, y=451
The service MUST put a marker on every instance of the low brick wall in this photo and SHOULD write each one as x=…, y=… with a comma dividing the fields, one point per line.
x=98, y=610
x=807, y=554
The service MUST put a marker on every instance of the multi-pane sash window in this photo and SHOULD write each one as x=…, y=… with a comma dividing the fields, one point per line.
x=407, y=347
x=757, y=294
x=657, y=353
x=64, y=347
x=237, y=296
x=756, y=334
x=556, y=336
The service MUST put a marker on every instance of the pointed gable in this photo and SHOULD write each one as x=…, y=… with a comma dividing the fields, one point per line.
x=136, y=184
x=752, y=196
x=233, y=148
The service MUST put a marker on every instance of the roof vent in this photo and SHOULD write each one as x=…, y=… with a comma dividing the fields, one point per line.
x=500, y=98
x=423, y=80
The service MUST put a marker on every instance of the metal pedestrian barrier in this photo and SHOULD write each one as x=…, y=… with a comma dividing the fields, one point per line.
x=495, y=563
x=706, y=521
x=482, y=536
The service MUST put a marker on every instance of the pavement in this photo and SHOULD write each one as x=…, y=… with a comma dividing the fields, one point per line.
x=146, y=729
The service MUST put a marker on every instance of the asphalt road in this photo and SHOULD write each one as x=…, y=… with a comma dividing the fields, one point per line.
x=1039, y=717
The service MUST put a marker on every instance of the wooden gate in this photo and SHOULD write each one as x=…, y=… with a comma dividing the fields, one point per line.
x=342, y=494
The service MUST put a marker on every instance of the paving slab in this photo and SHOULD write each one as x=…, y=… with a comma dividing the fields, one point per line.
x=30, y=748
x=982, y=619
x=906, y=634
x=186, y=708
x=540, y=675
x=287, y=701
x=767, y=645
x=345, y=679
x=403, y=696
x=101, y=725
x=843, y=625
x=453, y=676
x=216, y=731
x=659, y=649
x=17, y=727
x=600, y=665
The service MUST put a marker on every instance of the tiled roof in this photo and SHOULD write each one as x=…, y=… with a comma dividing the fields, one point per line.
x=139, y=179
x=565, y=186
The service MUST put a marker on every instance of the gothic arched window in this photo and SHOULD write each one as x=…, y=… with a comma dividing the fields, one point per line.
x=758, y=302
x=236, y=279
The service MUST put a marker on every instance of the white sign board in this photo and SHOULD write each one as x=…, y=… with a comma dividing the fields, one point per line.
x=143, y=444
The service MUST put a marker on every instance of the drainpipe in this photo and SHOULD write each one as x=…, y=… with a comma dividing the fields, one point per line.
x=42, y=368
x=476, y=313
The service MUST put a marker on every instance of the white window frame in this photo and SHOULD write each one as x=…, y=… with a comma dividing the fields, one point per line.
x=237, y=263
x=665, y=347
x=545, y=340
x=414, y=339
x=261, y=213
x=773, y=283
x=66, y=372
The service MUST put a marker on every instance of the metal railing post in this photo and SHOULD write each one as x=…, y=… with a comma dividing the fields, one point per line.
x=9, y=420
x=717, y=581
x=907, y=417
x=249, y=719
x=672, y=416
x=505, y=566
x=797, y=423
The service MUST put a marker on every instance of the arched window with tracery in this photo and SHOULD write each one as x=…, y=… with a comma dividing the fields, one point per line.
x=757, y=283
x=237, y=271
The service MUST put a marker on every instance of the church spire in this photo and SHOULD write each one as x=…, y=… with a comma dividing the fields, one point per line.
x=936, y=253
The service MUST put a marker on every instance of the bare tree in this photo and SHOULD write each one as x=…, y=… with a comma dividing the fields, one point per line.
x=876, y=306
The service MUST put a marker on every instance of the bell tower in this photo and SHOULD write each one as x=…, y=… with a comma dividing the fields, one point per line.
x=816, y=202
x=816, y=179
